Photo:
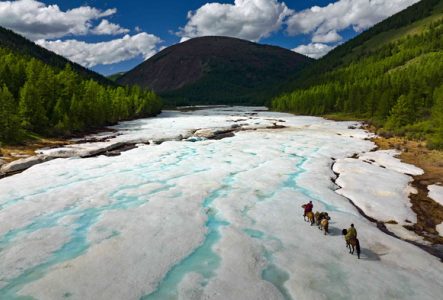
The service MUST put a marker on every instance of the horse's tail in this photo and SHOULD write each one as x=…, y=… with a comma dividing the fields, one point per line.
x=357, y=246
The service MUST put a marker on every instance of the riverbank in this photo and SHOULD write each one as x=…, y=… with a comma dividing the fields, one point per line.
x=10, y=153
x=29, y=147
x=429, y=212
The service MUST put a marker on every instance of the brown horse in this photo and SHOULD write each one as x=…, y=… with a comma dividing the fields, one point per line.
x=311, y=218
x=322, y=220
x=324, y=225
x=317, y=218
x=353, y=244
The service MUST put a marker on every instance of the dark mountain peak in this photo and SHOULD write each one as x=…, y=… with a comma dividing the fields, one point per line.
x=204, y=69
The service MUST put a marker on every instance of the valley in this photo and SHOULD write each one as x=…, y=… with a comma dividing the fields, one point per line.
x=182, y=218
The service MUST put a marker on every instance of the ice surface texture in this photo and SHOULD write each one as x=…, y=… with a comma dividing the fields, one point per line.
x=436, y=194
x=211, y=219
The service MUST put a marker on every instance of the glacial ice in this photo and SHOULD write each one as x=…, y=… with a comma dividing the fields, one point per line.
x=383, y=196
x=436, y=194
x=387, y=159
x=212, y=219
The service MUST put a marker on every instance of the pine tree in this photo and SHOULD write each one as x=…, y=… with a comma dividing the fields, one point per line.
x=31, y=109
x=436, y=139
x=9, y=123
x=401, y=114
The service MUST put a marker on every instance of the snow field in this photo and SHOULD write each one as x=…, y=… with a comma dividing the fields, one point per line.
x=212, y=219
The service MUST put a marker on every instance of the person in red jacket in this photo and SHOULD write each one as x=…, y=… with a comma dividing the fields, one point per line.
x=308, y=208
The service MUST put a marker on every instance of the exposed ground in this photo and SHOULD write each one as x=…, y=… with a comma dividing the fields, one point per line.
x=429, y=213
x=10, y=153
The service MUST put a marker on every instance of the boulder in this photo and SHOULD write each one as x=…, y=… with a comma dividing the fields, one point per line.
x=23, y=164
x=205, y=133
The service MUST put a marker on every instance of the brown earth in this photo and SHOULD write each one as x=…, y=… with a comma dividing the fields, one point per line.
x=9, y=153
x=15, y=152
x=429, y=212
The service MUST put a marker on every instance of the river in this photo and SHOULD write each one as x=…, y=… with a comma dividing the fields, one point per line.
x=208, y=206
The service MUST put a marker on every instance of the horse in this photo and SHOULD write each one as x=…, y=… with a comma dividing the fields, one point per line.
x=353, y=244
x=317, y=218
x=311, y=218
x=322, y=220
x=324, y=225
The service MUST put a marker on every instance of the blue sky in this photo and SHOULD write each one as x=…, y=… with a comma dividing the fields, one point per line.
x=113, y=36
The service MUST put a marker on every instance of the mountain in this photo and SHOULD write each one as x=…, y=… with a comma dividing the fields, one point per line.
x=390, y=75
x=18, y=44
x=221, y=70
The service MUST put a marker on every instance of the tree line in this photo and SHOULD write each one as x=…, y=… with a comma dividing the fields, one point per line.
x=41, y=99
x=398, y=86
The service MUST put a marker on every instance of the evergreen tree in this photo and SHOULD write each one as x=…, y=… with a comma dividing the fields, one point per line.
x=436, y=139
x=402, y=113
x=31, y=109
x=9, y=122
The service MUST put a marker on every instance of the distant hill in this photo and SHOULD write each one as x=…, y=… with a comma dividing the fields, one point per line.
x=15, y=42
x=217, y=70
x=115, y=76
x=391, y=75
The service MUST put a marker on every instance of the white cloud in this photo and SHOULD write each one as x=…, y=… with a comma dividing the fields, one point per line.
x=330, y=37
x=246, y=19
x=36, y=20
x=107, y=28
x=360, y=14
x=313, y=50
x=104, y=53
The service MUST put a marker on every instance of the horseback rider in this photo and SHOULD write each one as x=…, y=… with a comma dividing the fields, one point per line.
x=352, y=233
x=308, y=208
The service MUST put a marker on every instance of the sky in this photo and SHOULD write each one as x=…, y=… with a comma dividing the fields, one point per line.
x=114, y=36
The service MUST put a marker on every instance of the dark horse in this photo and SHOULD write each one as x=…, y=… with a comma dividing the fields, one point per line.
x=352, y=244
x=322, y=220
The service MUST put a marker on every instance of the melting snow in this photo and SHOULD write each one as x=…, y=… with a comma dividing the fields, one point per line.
x=211, y=219
x=436, y=193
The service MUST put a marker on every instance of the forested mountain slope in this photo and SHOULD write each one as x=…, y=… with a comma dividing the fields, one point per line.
x=392, y=74
x=217, y=70
x=42, y=98
x=20, y=45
